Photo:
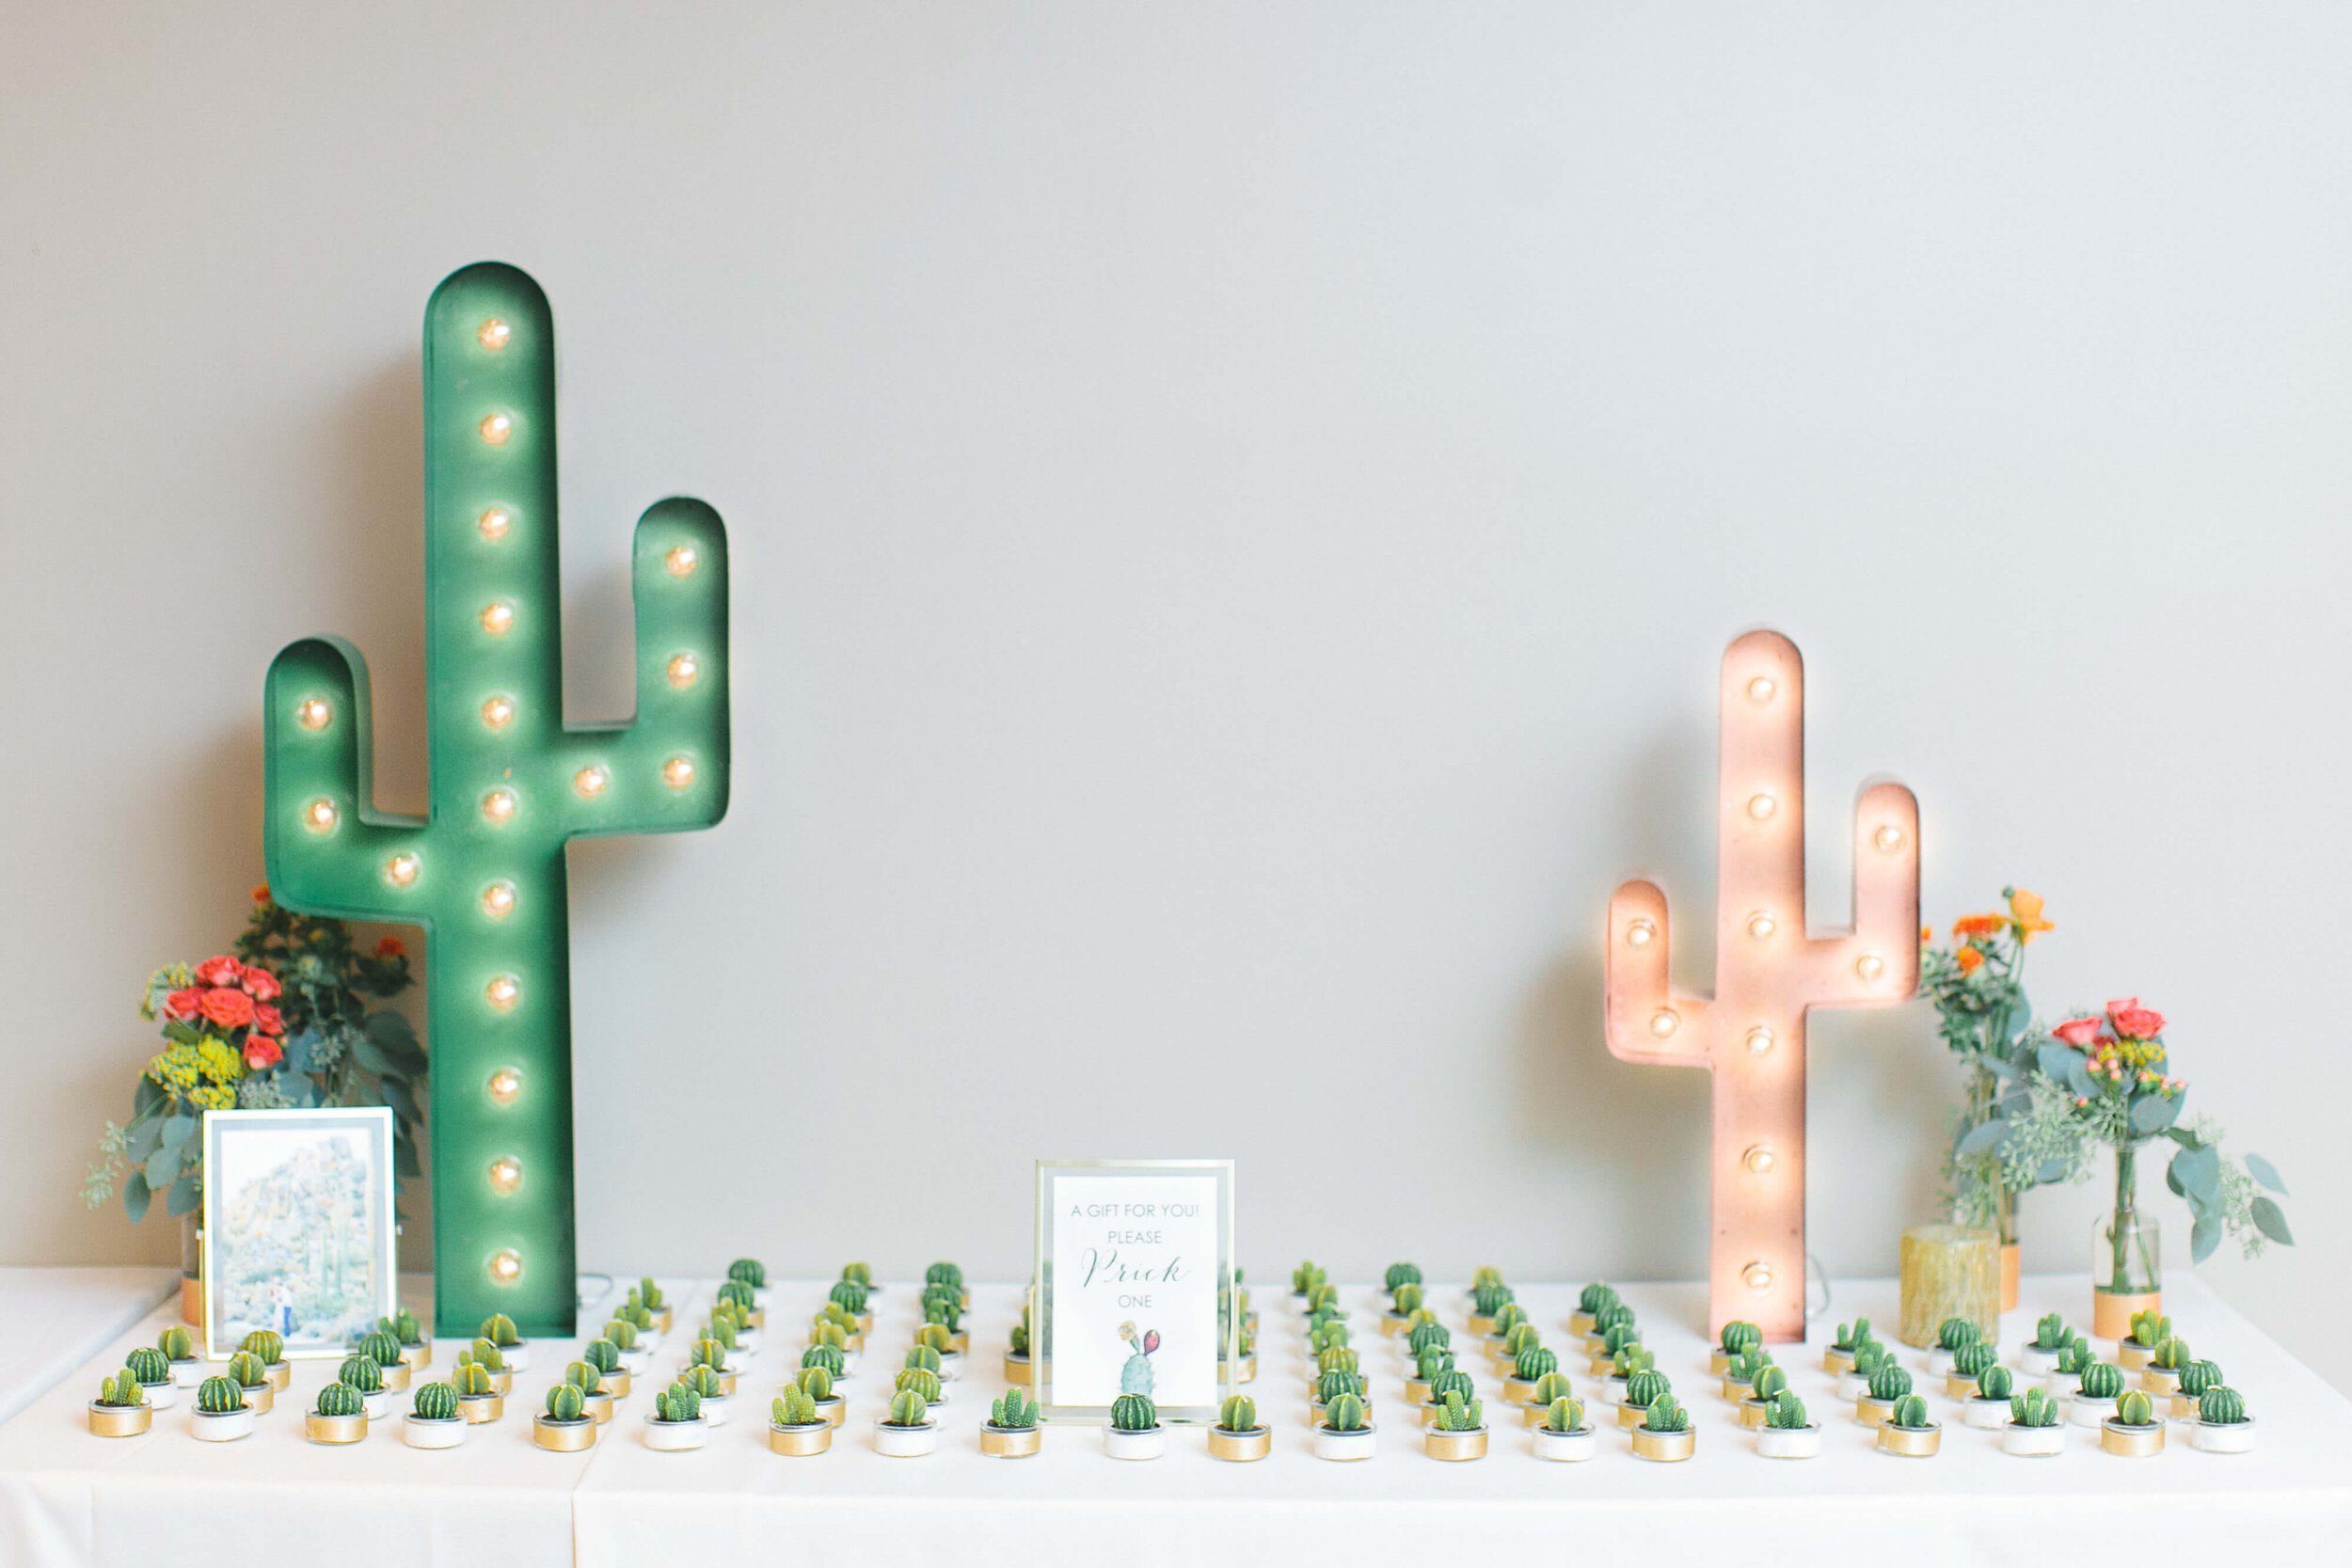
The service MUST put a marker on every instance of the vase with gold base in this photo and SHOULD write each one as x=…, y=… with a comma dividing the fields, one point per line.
x=2126, y=1257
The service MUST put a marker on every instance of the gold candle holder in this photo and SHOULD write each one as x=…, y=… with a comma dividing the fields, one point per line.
x=1949, y=1271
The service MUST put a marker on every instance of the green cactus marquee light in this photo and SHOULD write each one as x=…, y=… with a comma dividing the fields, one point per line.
x=509, y=784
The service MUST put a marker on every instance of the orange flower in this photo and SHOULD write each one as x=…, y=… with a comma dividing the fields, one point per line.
x=1977, y=926
x=1970, y=961
x=390, y=947
x=1927, y=934
x=2024, y=911
x=261, y=893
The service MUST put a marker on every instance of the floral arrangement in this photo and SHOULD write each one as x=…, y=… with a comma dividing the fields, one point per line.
x=279, y=1022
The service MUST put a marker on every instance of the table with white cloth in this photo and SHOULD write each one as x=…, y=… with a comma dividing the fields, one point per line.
x=68, y=1497
x=54, y=1319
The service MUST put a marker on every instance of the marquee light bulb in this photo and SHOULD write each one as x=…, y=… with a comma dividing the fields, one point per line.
x=494, y=523
x=506, y=1174
x=1759, y=1041
x=1869, y=966
x=1888, y=839
x=1759, y=1160
x=590, y=780
x=1760, y=924
x=502, y=992
x=679, y=773
x=1640, y=933
x=496, y=428
x=497, y=807
x=684, y=670
x=1758, y=1276
x=1761, y=806
x=401, y=870
x=498, y=619
x=682, y=561
x=320, y=816
x=1761, y=689
x=497, y=900
x=505, y=1086
x=499, y=712
x=506, y=1265
x=494, y=334
x=1664, y=1021
x=314, y=713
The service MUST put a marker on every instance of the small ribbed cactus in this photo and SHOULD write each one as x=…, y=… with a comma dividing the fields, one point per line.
x=906, y=1409
x=1952, y=1333
x=1564, y=1414
x=1631, y=1359
x=403, y=1326
x=266, y=1343
x=1330, y=1385
x=943, y=1273
x=1646, y=1389
x=1910, y=1412
x=649, y=1295
x=793, y=1408
x=2050, y=1332
x=1345, y=1414
x=1666, y=1416
x=1338, y=1358
x=948, y=1314
x=603, y=1355
x=2173, y=1354
x=916, y=1380
x=1786, y=1413
x=1460, y=1415
x=635, y=1312
x=1324, y=1336
x=1422, y=1336
x=1508, y=1317
x=828, y=1357
x=724, y=1327
x=121, y=1391
x=582, y=1376
x=2033, y=1408
x=1452, y=1381
x=1610, y=1316
x=176, y=1343
x=1016, y=1412
x=1489, y=1299
x=471, y=1380
x=149, y=1364
x=363, y=1373
x=935, y=1336
x=2150, y=1329
x=1550, y=1386
x=849, y=1295
x=815, y=1382
x=1430, y=1362
x=2102, y=1380
x=1868, y=1360
x=565, y=1404
x=1994, y=1383
x=435, y=1401
x=1237, y=1414
x=861, y=1273
x=622, y=1333
x=499, y=1330
x=923, y=1356
x=248, y=1369
x=1400, y=1274
x=831, y=1334
x=708, y=1353
x=1617, y=1336
x=748, y=1271
x=2198, y=1376
x=1134, y=1413
x=1417, y=1317
x=1596, y=1296
x=1970, y=1360
x=219, y=1396
x=1852, y=1336
x=1749, y=1362
x=1889, y=1382
x=2134, y=1409
x=677, y=1402
x=1520, y=1337
x=1018, y=1342
x=2222, y=1405
x=1407, y=1299
x=1323, y=1293
x=734, y=1292
x=703, y=1382
x=483, y=1352
x=1306, y=1277
x=2077, y=1357
x=341, y=1399
x=1740, y=1334
x=1770, y=1384
x=1535, y=1361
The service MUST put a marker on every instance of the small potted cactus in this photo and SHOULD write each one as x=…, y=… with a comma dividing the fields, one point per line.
x=1737, y=1336
x=514, y=1350
x=1616, y=1338
x=738, y=1317
x=1629, y=1361
x=832, y=1357
x=1330, y=1386
x=1012, y=1430
x=1641, y=1390
x=1987, y=1409
x=612, y=1377
x=1563, y=1433
x=121, y=1409
x=1017, y=1368
x=1507, y=1321
x=833, y=1336
x=1839, y=1359
x=751, y=1274
x=717, y=1396
x=649, y=1296
x=2195, y=1378
x=676, y=1424
x=2222, y=1424
x=1406, y=1300
x=151, y=1371
x=251, y=1374
x=340, y=1416
x=1338, y=1358
x=269, y=1347
x=1451, y=1380
x=564, y=1426
x=1398, y=1276
x=2034, y=1431
x=1133, y=1429
x=408, y=1333
x=365, y=1373
x=1665, y=1433
x=179, y=1348
x=1787, y=1433
x=1550, y=1389
x=2039, y=1355
x=1951, y=1335
x=1237, y=1437
x=2162, y=1375
x=1487, y=1302
x=434, y=1420
x=2134, y=1430
x=1245, y=1336
x=924, y=1357
x=712, y=1352
x=635, y=1357
x=1855, y=1381
x=384, y=1350
x=221, y=1414
x=726, y=1330
x=1344, y=1431
x=1589, y=1301
x=1522, y=1335
x=951, y=1360
x=1617, y=1314
x=816, y=1383
x=492, y=1361
x=2100, y=1386
x=2066, y=1377
x=1969, y=1363
x=849, y=1296
x=949, y=1275
x=906, y=1430
x=923, y=1382
x=1908, y=1432
x=796, y=1427
x=1304, y=1278
x=478, y=1399
x=861, y=1273
x=2149, y=1330
x=590, y=1382
x=1876, y=1405
x=1532, y=1364
x=1769, y=1383
x=1459, y=1430
x=1740, y=1376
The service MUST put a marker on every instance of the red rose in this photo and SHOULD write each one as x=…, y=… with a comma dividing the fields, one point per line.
x=222, y=970
x=184, y=1003
x=260, y=1051
x=2134, y=1022
x=391, y=947
x=230, y=1009
x=2078, y=1031
x=261, y=893
x=267, y=1018
x=260, y=985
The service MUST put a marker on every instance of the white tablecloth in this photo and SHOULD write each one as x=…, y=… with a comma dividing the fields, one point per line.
x=54, y=1319
x=66, y=1497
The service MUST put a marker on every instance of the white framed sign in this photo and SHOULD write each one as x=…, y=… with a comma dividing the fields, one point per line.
x=298, y=1227
x=1135, y=1261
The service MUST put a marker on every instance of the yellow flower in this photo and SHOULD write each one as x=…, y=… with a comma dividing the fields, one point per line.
x=2024, y=911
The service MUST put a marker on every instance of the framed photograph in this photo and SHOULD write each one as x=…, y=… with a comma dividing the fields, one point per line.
x=1133, y=1287
x=297, y=1228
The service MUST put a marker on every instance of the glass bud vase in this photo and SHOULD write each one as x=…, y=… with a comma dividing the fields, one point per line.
x=2126, y=1257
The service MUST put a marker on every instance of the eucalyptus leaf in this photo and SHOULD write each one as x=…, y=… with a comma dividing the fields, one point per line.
x=298, y=1051
x=2200, y=1171
x=179, y=1032
x=2184, y=1137
x=148, y=1096
x=2272, y=1222
x=2264, y=1172
x=2050, y=1170
x=163, y=1166
x=184, y=1197
x=396, y=1038
x=179, y=1130
x=2055, y=1060
x=2203, y=1237
x=2172, y=1178
x=2078, y=1075
x=136, y=1195
x=1984, y=1138
x=2154, y=1112
x=396, y=1095
x=144, y=1139
x=2002, y=1068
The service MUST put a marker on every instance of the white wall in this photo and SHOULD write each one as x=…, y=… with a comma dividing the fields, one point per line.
x=1235, y=508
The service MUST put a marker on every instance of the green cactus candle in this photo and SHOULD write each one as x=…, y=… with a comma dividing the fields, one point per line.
x=363, y=1373
x=1786, y=1412
x=510, y=785
x=341, y=1399
x=148, y=1365
x=1345, y=1414
x=793, y=1407
x=219, y=1396
x=677, y=1402
x=1237, y=1414
x=1459, y=1414
x=471, y=1380
x=2222, y=1405
x=121, y=1391
x=266, y=1343
x=1134, y=1413
x=435, y=1401
x=906, y=1409
x=566, y=1403
x=1017, y=1412
x=749, y=1270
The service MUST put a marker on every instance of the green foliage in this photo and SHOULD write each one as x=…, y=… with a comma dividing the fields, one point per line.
x=849, y=1296
x=748, y=1271
x=1407, y=1299
x=1563, y=1413
x=830, y=1335
x=1768, y=1383
x=1237, y=1414
x=266, y=1343
x=175, y=1344
x=1422, y=1336
x=1889, y=1382
x=2134, y=1409
x=906, y=1409
x=1970, y=1360
x=948, y=1314
x=1436, y=1358
x=248, y=1369
x=1666, y=1416
x=1786, y=1412
x=499, y=1330
x=1489, y=1299
x=1017, y=1412
x=149, y=1364
x=793, y=1407
x=923, y=1356
x=603, y=1355
x=363, y=1373
x=435, y=1401
x=1617, y=1336
x=1400, y=1274
x=2033, y=1408
x=1646, y=1389
x=219, y=1396
x=1345, y=1414
x=2222, y=1406
x=482, y=1352
x=1535, y=1362
x=1749, y=1362
x=1739, y=1334
x=1452, y=1381
x=919, y=1381
x=815, y=1381
x=634, y=1310
x=2150, y=1329
x=1868, y=1359
x=1134, y=1413
x=565, y=1404
x=1952, y=1333
x=2050, y=1332
x=1596, y=1296
x=382, y=1347
x=403, y=1325
x=2173, y=1354
x=470, y=1378
x=1992, y=1383
x=703, y=1382
x=2198, y=1376
x=725, y=1328
x=1330, y=1385
x=121, y=1391
x=1485, y=1273
x=677, y=1402
x=1460, y=1415
x=2102, y=1380
x=339, y=1399
x=1321, y=1295
x=1910, y=1412
x=1549, y=1386
x=708, y=1353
